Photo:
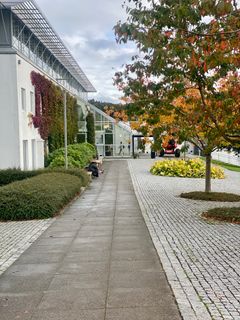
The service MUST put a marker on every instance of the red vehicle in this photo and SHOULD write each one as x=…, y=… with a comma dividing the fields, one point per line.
x=171, y=148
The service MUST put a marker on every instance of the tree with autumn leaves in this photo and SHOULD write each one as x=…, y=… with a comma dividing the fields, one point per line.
x=186, y=69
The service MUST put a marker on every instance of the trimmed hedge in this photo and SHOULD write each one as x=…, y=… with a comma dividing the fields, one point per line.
x=11, y=175
x=79, y=156
x=81, y=174
x=40, y=197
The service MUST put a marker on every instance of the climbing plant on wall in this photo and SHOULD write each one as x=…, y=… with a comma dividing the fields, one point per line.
x=49, y=111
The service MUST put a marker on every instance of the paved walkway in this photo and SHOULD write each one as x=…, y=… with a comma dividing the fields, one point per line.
x=201, y=259
x=96, y=262
x=16, y=237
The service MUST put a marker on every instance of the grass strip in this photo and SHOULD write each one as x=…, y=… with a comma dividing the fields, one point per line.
x=211, y=196
x=223, y=214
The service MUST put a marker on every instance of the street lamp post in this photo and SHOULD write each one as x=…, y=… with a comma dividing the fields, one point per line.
x=65, y=130
x=65, y=125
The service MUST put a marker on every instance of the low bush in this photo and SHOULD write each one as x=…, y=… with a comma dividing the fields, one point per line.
x=80, y=173
x=223, y=214
x=39, y=197
x=79, y=156
x=193, y=168
x=11, y=175
x=212, y=196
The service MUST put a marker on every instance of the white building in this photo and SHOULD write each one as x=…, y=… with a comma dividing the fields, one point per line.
x=29, y=43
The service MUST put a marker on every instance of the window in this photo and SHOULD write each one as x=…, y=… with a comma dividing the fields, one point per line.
x=25, y=154
x=33, y=154
x=23, y=99
x=32, y=102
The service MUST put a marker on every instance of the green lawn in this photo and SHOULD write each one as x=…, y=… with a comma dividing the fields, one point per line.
x=225, y=165
x=228, y=166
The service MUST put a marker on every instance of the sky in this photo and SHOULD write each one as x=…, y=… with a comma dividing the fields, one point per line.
x=86, y=27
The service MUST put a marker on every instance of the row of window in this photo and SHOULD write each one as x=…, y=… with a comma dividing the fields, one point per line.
x=28, y=102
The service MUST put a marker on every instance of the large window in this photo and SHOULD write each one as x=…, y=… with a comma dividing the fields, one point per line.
x=32, y=102
x=33, y=154
x=23, y=99
x=25, y=154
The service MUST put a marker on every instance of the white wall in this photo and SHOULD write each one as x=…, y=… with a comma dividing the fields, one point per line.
x=9, y=128
x=27, y=132
x=15, y=128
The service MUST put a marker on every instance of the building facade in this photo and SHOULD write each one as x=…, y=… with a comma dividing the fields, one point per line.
x=113, y=138
x=29, y=43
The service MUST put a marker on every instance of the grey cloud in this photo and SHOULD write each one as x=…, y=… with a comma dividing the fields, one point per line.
x=87, y=29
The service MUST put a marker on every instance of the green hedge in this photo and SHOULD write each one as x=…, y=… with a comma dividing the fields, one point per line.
x=81, y=174
x=39, y=197
x=79, y=156
x=11, y=175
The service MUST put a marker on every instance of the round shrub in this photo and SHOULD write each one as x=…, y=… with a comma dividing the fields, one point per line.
x=38, y=197
x=192, y=168
x=79, y=156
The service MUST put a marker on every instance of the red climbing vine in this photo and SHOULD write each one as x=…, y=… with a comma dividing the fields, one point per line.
x=48, y=117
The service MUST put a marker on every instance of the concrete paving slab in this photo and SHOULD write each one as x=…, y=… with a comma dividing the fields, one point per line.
x=135, y=265
x=60, y=234
x=28, y=270
x=12, y=305
x=147, y=313
x=94, y=233
x=41, y=257
x=94, y=256
x=18, y=284
x=81, y=281
x=136, y=297
x=136, y=279
x=71, y=314
x=84, y=267
x=79, y=299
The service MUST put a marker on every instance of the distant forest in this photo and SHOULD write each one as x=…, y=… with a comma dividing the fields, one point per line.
x=102, y=105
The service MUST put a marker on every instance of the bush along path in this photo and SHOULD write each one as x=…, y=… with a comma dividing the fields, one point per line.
x=42, y=196
x=79, y=156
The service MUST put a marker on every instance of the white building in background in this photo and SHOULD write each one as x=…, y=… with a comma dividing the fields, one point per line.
x=29, y=43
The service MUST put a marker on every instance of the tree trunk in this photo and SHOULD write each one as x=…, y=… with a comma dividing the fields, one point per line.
x=208, y=173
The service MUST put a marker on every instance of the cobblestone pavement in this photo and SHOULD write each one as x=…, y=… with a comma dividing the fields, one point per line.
x=201, y=259
x=16, y=237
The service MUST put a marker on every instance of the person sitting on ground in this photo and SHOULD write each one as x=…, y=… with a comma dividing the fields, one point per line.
x=94, y=169
x=99, y=161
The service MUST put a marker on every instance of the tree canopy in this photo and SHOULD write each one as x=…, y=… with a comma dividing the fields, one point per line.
x=187, y=67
